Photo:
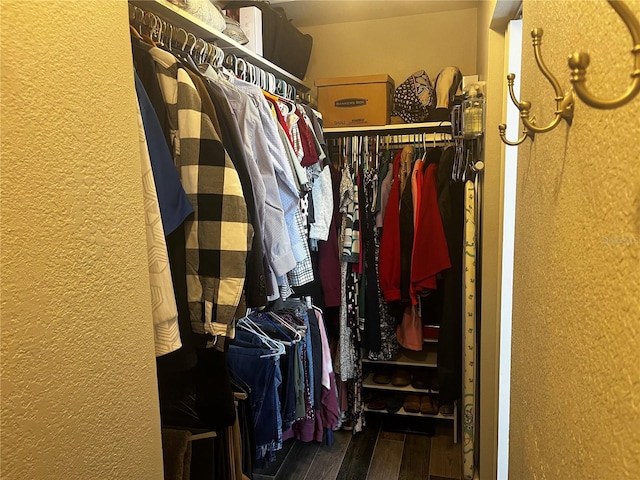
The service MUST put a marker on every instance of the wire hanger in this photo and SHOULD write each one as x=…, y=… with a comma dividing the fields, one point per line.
x=286, y=325
x=276, y=347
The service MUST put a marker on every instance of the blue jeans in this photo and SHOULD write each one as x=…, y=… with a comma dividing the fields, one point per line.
x=263, y=376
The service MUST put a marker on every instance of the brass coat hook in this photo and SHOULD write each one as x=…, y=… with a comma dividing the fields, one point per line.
x=578, y=62
x=502, y=129
x=564, y=101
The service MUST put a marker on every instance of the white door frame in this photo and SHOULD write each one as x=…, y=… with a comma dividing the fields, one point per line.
x=494, y=17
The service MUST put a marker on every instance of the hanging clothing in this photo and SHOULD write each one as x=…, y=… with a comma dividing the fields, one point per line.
x=388, y=340
x=329, y=251
x=389, y=264
x=254, y=193
x=451, y=204
x=172, y=199
x=371, y=335
x=322, y=195
x=270, y=212
x=164, y=311
x=218, y=236
x=431, y=254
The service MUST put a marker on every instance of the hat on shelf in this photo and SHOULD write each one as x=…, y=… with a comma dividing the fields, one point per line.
x=203, y=10
x=414, y=98
x=234, y=31
x=447, y=86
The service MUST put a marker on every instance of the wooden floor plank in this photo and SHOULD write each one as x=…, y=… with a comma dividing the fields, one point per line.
x=386, y=460
x=270, y=470
x=326, y=464
x=297, y=464
x=415, y=458
x=398, y=437
x=358, y=455
x=446, y=456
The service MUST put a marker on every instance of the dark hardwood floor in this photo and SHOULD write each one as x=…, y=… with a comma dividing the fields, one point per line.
x=381, y=452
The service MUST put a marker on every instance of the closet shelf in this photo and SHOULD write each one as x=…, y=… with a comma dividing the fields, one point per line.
x=402, y=411
x=432, y=127
x=179, y=18
x=424, y=358
x=368, y=382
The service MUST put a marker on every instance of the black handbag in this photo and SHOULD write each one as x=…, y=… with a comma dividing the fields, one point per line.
x=282, y=43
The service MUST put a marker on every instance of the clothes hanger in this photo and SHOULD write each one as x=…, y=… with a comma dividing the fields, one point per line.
x=250, y=326
x=135, y=32
x=147, y=38
x=287, y=325
x=268, y=321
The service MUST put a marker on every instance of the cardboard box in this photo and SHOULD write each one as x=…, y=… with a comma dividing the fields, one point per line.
x=250, y=19
x=355, y=101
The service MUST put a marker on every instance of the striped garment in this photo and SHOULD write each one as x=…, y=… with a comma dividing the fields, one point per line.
x=219, y=235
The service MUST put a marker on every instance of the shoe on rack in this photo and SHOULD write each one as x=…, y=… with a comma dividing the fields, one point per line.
x=395, y=402
x=378, y=403
x=429, y=405
x=412, y=403
x=421, y=379
x=401, y=377
x=435, y=384
x=446, y=410
x=382, y=375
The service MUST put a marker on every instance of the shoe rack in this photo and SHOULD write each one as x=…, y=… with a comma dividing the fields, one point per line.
x=414, y=362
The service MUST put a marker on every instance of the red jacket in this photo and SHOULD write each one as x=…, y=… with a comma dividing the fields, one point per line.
x=389, y=259
x=430, y=251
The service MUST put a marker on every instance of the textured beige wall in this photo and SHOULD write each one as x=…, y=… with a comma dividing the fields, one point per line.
x=576, y=326
x=398, y=46
x=79, y=396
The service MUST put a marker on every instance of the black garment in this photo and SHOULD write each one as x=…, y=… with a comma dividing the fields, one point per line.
x=451, y=203
x=176, y=374
x=316, y=351
x=287, y=391
x=406, y=242
x=372, y=335
x=313, y=289
x=214, y=398
x=245, y=419
x=255, y=283
x=145, y=68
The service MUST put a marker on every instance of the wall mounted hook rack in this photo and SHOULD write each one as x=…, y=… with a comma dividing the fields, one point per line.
x=502, y=130
x=564, y=101
x=578, y=62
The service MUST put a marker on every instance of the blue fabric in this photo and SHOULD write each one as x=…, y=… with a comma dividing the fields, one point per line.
x=277, y=244
x=307, y=339
x=263, y=377
x=174, y=204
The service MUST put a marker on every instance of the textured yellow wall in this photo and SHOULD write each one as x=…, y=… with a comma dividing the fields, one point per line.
x=397, y=46
x=576, y=325
x=79, y=396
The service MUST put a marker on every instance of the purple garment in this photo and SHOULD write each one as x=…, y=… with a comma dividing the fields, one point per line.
x=329, y=256
x=308, y=430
